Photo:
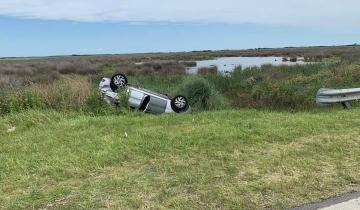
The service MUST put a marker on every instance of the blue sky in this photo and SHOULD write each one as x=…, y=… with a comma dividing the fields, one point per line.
x=41, y=28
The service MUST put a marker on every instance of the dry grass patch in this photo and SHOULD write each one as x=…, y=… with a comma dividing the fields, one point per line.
x=66, y=93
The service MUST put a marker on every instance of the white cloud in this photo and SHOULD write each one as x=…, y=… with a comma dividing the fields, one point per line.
x=330, y=13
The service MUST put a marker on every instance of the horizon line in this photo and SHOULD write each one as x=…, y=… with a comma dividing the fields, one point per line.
x=193, y=51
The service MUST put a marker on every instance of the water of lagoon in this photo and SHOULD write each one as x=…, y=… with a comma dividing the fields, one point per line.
x=228, y=64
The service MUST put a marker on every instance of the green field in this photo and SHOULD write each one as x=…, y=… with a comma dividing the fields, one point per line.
x=208, y=160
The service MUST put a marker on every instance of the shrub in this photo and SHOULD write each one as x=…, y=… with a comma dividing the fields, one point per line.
x=201, y=95
x=95, y=105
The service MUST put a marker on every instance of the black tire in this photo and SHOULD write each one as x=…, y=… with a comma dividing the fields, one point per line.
x=118, y=81
x=179, y=104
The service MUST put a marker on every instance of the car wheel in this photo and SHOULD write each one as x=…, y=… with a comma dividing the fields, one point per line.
x=179, y=104
x=118, y=81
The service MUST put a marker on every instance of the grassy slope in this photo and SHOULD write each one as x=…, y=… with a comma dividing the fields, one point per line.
x=227, y=159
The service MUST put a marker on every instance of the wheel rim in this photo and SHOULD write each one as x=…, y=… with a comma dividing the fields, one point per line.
x=180, y=102
x=119, y=81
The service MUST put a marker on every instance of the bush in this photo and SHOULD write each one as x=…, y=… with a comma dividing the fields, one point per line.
x=202, y=96
x=95, y=105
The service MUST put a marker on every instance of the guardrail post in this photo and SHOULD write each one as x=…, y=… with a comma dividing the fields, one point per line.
x=346, y=105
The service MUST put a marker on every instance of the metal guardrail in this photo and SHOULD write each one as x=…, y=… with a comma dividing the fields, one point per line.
x=326, y=96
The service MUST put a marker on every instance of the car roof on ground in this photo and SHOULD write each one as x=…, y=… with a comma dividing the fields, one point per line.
x=151, y=92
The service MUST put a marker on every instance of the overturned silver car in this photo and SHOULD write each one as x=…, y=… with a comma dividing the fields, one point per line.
x=141, y=99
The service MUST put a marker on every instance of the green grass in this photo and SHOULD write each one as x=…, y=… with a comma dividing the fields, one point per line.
x=221, y=160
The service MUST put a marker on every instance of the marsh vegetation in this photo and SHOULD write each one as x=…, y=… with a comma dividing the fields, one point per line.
x=267, y=87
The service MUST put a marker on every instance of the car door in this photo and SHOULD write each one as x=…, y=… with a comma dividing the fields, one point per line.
x=156, y=105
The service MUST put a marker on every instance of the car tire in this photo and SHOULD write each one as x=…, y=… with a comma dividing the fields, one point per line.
x=118, y=81
x=179, y=104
